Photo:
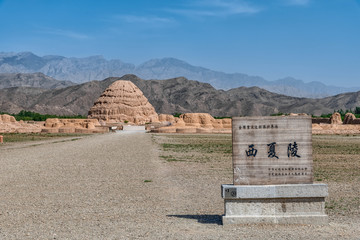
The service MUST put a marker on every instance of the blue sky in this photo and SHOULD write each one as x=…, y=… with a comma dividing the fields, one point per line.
x=311, y=40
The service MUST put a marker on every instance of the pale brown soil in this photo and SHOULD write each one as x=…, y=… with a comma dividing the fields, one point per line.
x=125, y=186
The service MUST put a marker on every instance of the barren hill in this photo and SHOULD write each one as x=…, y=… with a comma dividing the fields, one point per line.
x=36, y=80
x=173, y=95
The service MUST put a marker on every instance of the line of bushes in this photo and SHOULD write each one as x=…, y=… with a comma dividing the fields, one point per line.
x=33, y=116
x=356, y=112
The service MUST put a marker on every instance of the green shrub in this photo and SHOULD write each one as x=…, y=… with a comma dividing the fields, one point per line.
x=33, y=116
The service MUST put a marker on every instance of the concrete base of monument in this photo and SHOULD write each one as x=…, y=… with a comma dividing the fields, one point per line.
x=277, y=204
x=133, y=128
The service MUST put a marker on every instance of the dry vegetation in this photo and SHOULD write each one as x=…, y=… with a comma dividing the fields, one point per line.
x=336, y=163
x=208, y=154
x=26, y=137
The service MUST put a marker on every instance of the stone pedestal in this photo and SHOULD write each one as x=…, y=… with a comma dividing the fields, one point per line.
x=278, y=204
x=133, y=128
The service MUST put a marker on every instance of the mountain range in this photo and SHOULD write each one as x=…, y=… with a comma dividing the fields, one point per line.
x=170, y=96
x=81, y=70
x=36, y=80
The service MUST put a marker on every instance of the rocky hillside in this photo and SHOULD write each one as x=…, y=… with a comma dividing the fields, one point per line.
x=172, y=95
x=36, y=80
x=82, y=70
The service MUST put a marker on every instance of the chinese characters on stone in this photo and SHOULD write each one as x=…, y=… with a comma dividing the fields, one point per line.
x=251, y=152
x=292, y=150
x=271, y=150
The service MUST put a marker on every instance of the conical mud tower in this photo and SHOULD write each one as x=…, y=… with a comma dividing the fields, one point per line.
x=123, y=101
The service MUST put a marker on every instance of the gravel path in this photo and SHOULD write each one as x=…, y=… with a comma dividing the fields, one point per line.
x=115, y=186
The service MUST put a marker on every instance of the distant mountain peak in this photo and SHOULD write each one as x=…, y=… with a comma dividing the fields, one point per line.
x=168, y=61
x=26, y=54
x=130, y=77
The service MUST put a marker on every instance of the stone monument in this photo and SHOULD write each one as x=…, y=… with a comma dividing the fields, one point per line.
x=273, y=173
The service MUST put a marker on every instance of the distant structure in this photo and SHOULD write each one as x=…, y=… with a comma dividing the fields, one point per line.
x=123, y=102
x=193, y=123
x=8, y=124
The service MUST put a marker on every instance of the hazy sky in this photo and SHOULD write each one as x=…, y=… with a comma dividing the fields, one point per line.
x=312, y=40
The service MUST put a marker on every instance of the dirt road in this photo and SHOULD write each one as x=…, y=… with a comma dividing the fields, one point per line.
x=115, y=186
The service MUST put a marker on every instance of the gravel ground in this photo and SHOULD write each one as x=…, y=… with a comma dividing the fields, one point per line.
x=115, y=186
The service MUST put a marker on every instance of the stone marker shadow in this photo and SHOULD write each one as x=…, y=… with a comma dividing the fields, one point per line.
x=205, y=219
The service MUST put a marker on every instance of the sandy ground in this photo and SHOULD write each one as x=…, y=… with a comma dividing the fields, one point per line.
x=115, y=186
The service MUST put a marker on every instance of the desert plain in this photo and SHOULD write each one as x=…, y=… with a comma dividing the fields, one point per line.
x=135, y=185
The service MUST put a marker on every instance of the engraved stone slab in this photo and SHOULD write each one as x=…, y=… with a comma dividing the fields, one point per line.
x=272, y=150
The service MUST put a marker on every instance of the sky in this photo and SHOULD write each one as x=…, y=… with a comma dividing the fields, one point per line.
x=311, y=40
